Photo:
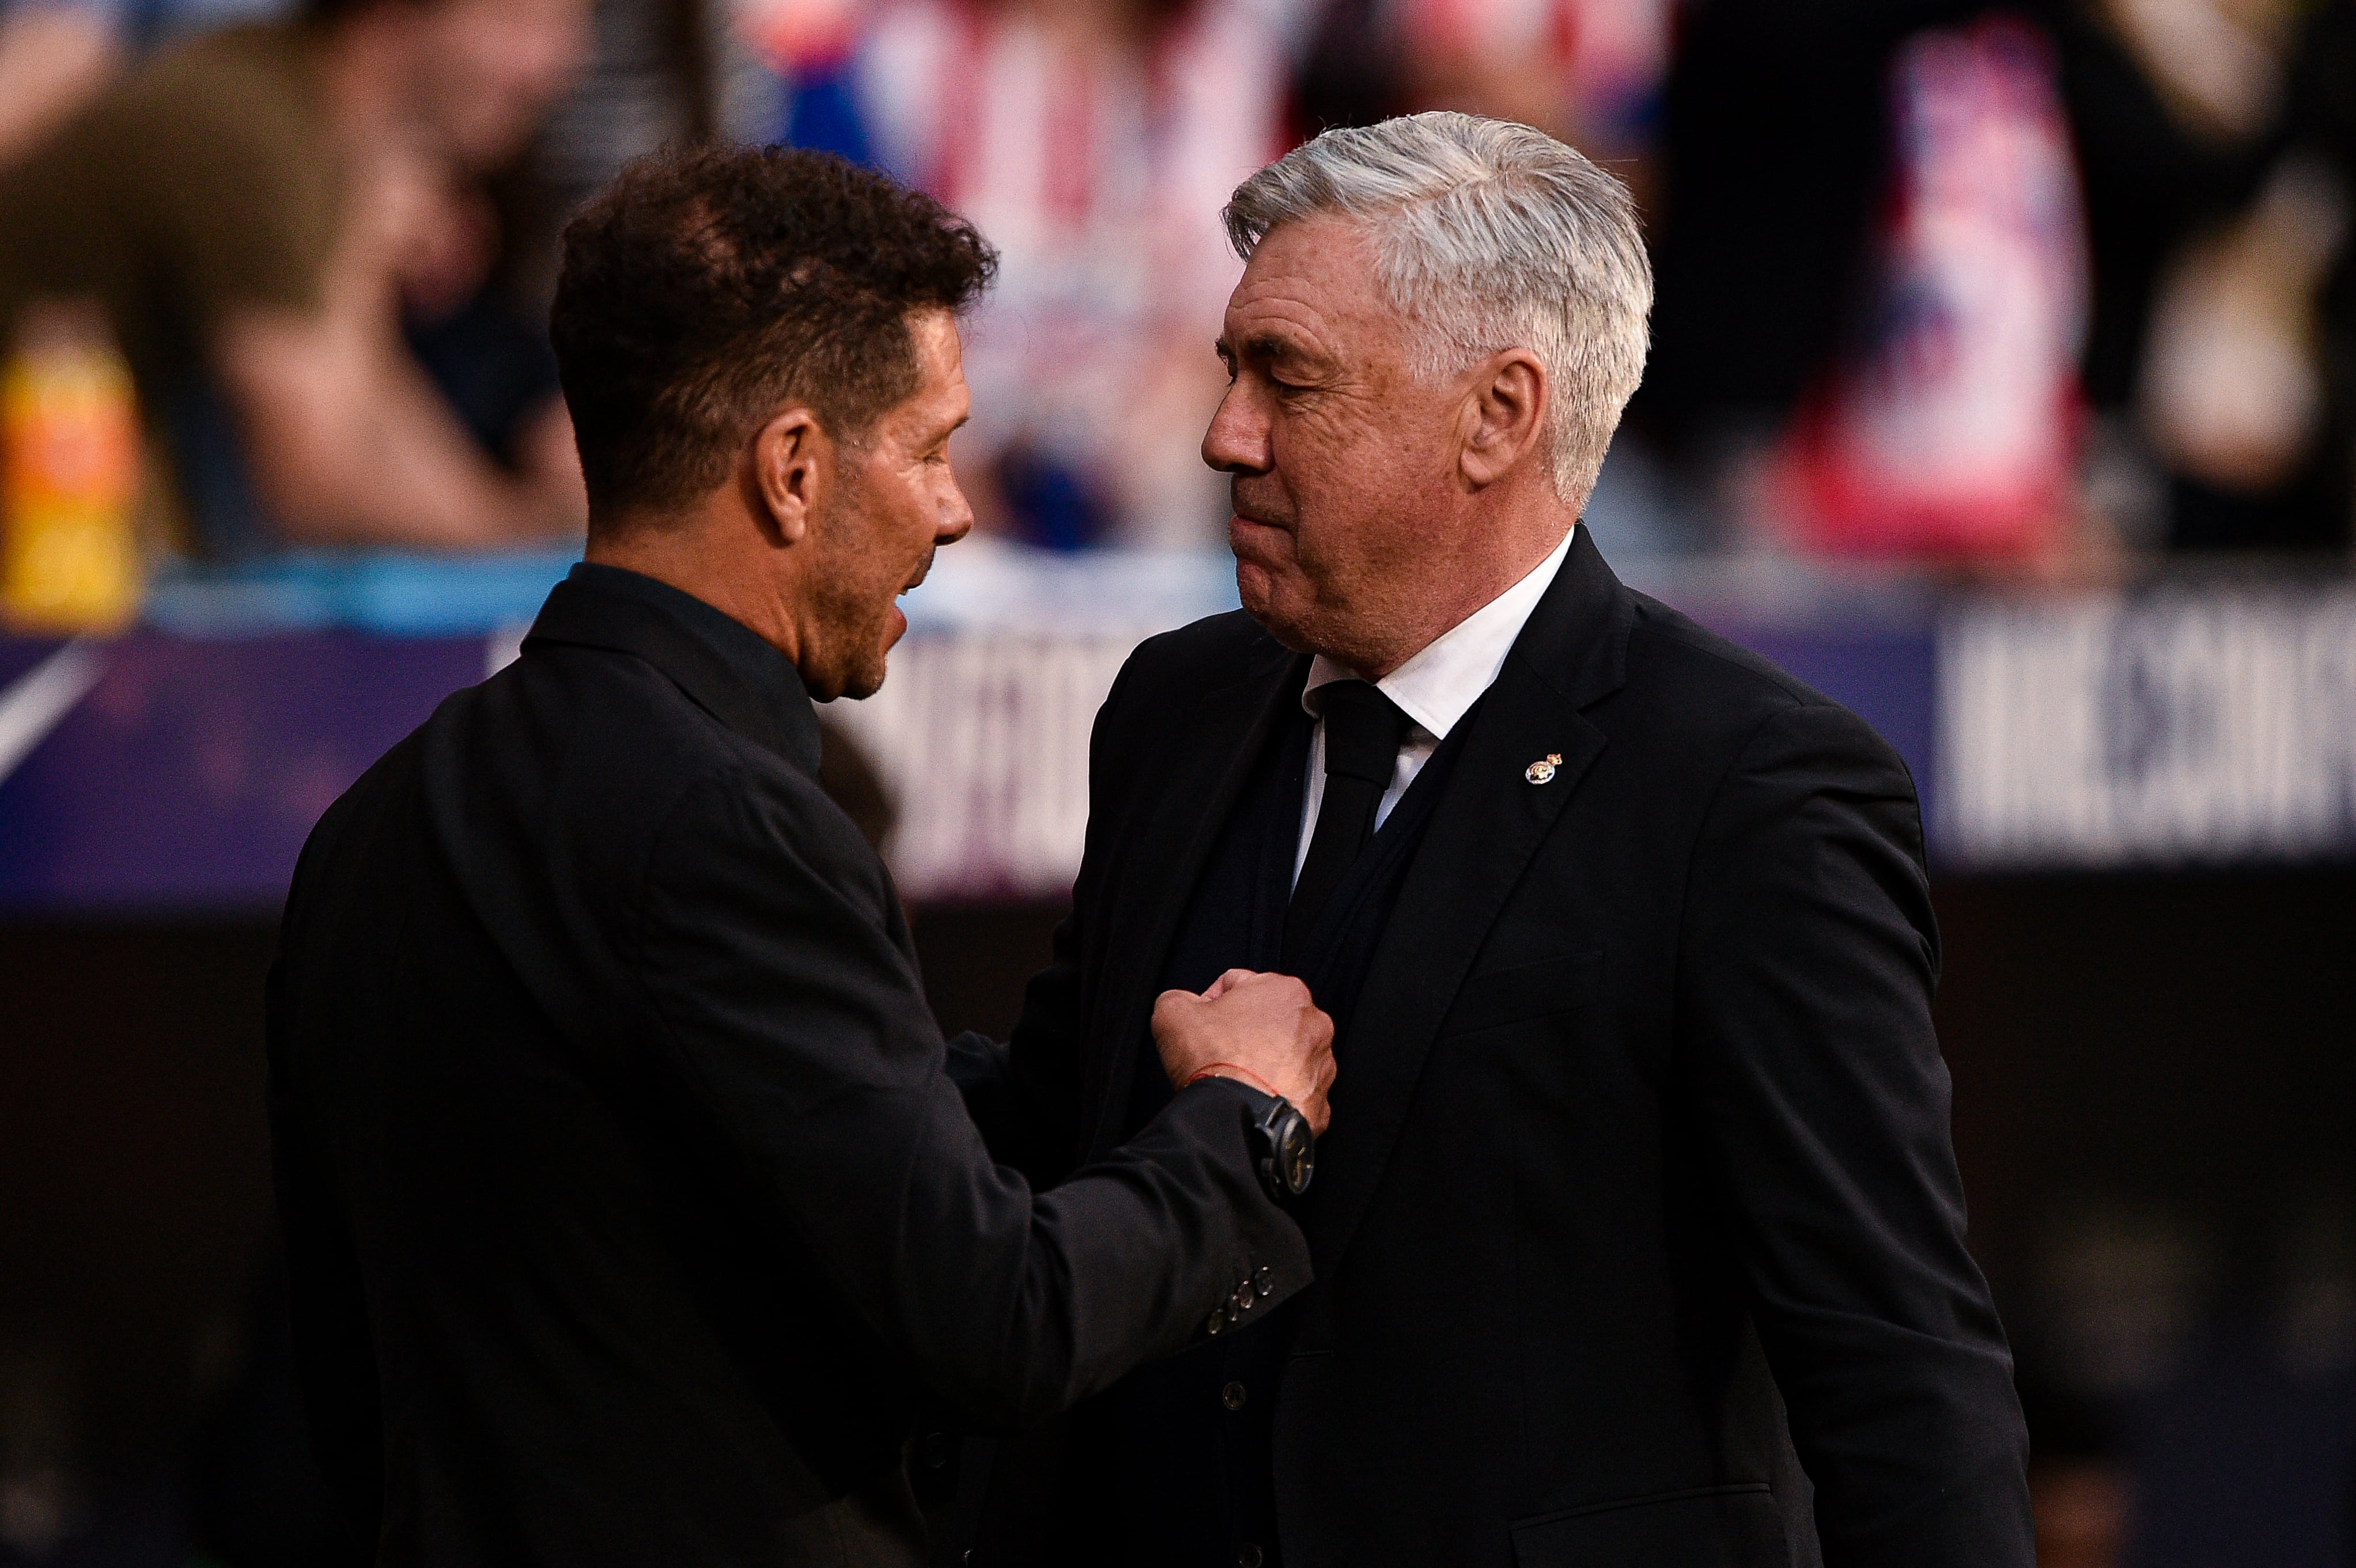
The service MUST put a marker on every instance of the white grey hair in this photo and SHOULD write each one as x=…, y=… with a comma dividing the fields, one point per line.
x=1487, y=235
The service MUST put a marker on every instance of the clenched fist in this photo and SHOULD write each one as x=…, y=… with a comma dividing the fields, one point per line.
x=1266, y=1026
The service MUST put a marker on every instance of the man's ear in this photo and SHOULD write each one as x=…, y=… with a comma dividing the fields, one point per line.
x=1505, y=407
x=792, y=462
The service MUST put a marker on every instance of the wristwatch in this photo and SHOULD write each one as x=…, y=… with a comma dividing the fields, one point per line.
x=1288, y=1148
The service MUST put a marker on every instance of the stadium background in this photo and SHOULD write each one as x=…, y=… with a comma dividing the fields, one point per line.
x=2004, y=387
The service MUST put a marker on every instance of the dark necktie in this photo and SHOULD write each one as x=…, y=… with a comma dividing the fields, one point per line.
x=1362, y=731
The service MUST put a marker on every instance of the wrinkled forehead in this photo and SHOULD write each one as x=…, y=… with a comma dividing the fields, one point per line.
x=1310, y=284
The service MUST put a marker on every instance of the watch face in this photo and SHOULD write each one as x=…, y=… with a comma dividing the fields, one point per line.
x=1296, y=1153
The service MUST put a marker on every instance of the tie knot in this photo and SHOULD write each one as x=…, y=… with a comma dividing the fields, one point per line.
x=1362, y=731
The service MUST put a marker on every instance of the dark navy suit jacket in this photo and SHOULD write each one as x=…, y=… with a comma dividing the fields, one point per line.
x=1641, y=1177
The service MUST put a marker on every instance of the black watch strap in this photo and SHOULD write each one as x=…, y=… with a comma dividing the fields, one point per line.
x=1288, y=1150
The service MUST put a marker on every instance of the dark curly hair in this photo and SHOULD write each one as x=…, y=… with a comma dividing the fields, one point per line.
x=704, y=290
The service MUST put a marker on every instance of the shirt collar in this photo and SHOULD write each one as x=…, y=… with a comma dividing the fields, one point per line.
x=766, y=673
x=1442, y=680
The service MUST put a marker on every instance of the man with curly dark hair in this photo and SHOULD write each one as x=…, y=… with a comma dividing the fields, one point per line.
x=629, y=1204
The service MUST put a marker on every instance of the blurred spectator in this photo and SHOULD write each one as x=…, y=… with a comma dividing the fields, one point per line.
x=1944, y=424
x=1774, y=155
x=1589, y=71
x=1777, y=165
x=2244, y=385
x=2214, y=182
x=660, y=73
x=53, y=55
x=1094, y=142
x=2232, y=389
x=485, y=351
x=251, y=208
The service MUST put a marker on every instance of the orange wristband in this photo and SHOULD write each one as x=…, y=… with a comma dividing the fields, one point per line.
x=1212, y=1070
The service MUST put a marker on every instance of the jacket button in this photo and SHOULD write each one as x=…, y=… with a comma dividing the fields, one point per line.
x=1245, y=1299
x=1263, y=1282
x=1232, y=1396
x=934, y=1450
x=1248, y=1555
x=1217, y=1322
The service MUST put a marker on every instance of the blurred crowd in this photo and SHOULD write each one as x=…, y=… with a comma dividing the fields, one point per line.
x=2042, y=283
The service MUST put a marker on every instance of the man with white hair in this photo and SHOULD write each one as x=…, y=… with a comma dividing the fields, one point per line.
x=1640, y=1212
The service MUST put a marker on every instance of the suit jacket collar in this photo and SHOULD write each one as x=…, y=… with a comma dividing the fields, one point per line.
x=1576, y=641
x=724, y=667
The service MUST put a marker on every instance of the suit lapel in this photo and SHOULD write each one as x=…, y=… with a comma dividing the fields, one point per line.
x=1483, y=836
x=1212, y=760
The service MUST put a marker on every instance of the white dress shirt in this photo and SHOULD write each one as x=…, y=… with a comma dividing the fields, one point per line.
x=1434, y=688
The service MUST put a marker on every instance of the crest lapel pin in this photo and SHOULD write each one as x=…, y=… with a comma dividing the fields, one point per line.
x=1543, y=770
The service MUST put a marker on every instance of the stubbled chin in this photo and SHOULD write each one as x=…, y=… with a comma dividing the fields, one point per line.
x=1286, y=616
x=1256, y=587
x=1254, y=583
x=869, y=681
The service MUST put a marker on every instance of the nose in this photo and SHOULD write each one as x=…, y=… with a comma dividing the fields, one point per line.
x=1238, y=441
x=955, y=519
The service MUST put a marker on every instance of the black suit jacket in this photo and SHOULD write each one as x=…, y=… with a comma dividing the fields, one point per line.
x=1640, y=1119
x=629, y=1207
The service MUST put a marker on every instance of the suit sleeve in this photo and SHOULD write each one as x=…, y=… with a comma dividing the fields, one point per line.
x=1809, y=961
x=791, y=1026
